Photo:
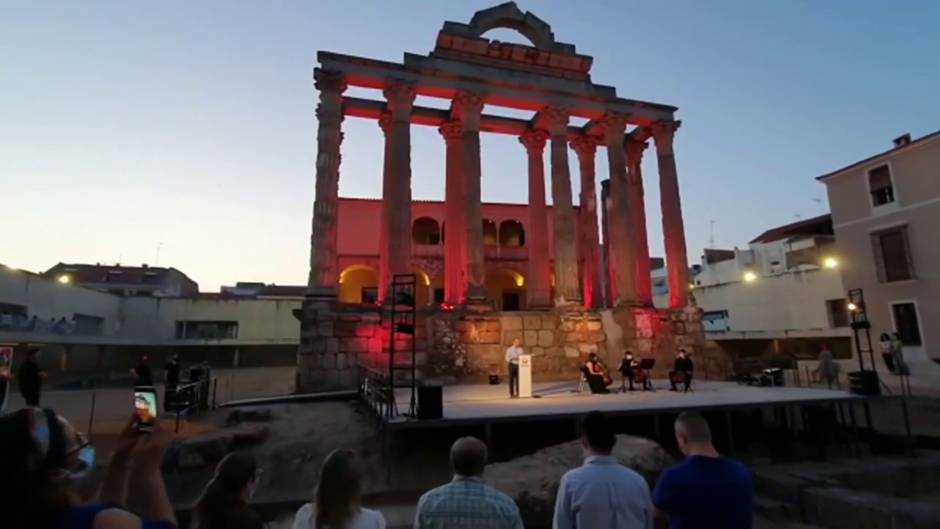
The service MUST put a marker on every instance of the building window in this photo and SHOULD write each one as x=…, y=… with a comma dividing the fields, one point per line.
x=892, y=255
x=906, y=323
x=880, y=187
x=490, y=237
x=206, y=330
x=438, y=295
x=716, y=321
x=838, y=313
x=425, y=231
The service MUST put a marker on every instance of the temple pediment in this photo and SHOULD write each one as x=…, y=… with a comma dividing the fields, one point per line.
x=465, y=42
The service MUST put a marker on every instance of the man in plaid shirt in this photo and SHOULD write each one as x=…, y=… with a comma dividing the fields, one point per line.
x=466, y=502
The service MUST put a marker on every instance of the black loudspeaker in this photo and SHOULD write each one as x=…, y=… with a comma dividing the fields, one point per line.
x=864, y=383
x=430, y=402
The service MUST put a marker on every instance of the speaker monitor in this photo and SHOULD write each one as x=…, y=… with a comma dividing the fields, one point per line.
x=430, y=402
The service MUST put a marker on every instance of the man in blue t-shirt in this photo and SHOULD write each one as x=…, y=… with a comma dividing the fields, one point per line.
x=706, y=491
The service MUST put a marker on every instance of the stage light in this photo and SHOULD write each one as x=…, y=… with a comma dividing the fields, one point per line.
x=852, y=306
x=750, y=277
x=64, y=279
x=691, y=286
x=520, y=280
x=830, y=262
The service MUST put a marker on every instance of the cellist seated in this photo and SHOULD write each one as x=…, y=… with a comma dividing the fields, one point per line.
x=681, y=371
x=597, y=378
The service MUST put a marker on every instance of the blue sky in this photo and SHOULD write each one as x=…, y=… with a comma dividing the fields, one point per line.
x=124, y=125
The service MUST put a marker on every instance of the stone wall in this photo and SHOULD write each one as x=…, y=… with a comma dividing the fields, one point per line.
x=659, y=334
x=465, y=347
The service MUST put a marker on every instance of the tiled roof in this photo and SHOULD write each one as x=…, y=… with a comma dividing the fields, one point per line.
x=821, y=225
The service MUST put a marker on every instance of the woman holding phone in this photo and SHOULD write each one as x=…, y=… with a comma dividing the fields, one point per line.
x=44, y=458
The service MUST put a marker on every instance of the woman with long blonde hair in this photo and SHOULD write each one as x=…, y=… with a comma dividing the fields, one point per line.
x=337, y=502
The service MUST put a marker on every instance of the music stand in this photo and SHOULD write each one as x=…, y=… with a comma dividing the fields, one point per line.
x=646, y=364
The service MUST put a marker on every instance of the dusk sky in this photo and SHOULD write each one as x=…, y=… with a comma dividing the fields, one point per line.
x=124, y=125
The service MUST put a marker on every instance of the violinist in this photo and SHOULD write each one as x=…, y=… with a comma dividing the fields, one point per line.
x=628, y=367
x=681, y=371
x=596, y=375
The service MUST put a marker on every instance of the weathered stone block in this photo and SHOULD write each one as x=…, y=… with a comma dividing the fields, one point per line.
x=530, y=338
x=537, y=351
x=340, y=361
x=594, y=337
x=328, y=361
x=375, y=345
x=572, y=352
x=489, y=337
x=568, y=325
x=354, y=345
x=587, y=348
x=549, y=321
x=509, y=336
x=365, y=329
x=546, y=338
x=318, y=346
x=512, y=323
x=492, y=325
x=531, y=322
x=573, y=337
x=325, y=328
x=332, y=345
x=594, y=326
x=462, y=325
x=554, y=351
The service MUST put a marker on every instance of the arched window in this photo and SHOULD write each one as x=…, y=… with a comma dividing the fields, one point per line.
x=425, y=231
x=490, y=237
x=511, y=234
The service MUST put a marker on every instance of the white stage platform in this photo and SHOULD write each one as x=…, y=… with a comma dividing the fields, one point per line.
x=488, y=403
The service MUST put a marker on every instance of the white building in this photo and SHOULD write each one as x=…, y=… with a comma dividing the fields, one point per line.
x=783, y=295
x=81, y=329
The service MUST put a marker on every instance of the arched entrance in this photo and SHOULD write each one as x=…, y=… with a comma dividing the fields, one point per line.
x=424, y=287
x=506, y=289
x=511, y=234
x=358, y=284
x=425, y=231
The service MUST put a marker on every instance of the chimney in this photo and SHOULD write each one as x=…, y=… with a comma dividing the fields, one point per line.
x=902, y=140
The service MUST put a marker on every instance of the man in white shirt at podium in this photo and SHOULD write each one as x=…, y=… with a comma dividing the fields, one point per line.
x=512, y=358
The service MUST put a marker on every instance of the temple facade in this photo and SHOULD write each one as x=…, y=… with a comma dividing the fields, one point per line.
x=563, y=263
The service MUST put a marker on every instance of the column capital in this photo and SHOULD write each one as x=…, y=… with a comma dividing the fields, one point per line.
x=329, y=81
x=399, y=97
x=469, y=106
x=534, y=140
x=634, y=149
x=451, y=130
x=556, y=117
x=614, y=126
x=663, y=133
x=385, y=122
x=585, y=146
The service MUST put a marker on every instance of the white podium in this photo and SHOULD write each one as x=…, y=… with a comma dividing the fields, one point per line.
x=525, y=376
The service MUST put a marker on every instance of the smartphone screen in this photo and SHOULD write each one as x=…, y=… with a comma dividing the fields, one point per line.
x=145, y=406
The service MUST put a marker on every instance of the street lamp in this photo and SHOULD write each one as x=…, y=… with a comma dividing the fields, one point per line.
x=830, y=262
x=750, y=277
x=64, y=279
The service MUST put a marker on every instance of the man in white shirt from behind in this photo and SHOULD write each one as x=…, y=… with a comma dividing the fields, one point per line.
x=602, y=494
x=512, y=358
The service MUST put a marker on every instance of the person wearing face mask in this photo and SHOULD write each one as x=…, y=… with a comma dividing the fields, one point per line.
x=707, y=490
x=223, y=504
x=44, y=458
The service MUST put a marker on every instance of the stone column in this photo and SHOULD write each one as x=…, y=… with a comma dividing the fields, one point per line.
x=644, y=285
x=455, y=285
x=469, y=106
x=622, y=251
x=586, y=148
x=564, y=227
x=677, y=263
x=321, y=281
x=399, y=98
x=385, y=275
x=606, y=268
x=538, y=290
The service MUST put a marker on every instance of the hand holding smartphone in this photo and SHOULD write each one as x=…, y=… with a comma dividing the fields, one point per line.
x=145, y=408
